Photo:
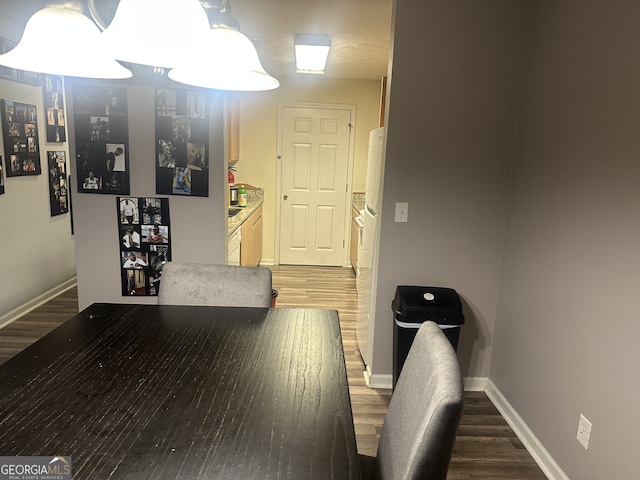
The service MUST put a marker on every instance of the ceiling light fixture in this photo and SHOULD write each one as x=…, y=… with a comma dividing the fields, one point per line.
x=231, y=61
x=157, y=33
x=312, y=51
x=75, y=52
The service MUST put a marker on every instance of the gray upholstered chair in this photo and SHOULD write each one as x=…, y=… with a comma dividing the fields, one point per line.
x=214, y=285
x=420, y=427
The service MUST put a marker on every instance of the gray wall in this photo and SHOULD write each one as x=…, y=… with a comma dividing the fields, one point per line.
x=546, y=257
x=198, y=224
x=567, y=329
x=36, y=249
x=451, y=115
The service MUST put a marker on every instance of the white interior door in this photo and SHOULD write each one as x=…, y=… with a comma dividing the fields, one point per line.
x=314, y=185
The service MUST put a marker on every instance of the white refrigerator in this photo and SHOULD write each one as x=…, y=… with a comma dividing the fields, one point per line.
x=368, y=248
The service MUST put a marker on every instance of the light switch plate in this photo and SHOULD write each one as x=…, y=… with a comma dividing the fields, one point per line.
x=584, y=431
x=402, y=212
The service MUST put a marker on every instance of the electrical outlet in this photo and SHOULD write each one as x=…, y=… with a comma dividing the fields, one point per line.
x=402, y=211
x=584, y=431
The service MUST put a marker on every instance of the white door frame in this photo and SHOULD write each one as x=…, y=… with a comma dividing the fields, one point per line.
x=350, y=160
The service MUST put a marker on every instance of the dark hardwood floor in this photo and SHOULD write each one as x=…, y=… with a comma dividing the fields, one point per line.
x=21, y=333
x=486, y=447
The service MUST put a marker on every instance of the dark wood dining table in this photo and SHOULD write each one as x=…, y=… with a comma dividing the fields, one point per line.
x=176, y=392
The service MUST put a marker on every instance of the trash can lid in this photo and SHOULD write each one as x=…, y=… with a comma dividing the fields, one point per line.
x=417, y=304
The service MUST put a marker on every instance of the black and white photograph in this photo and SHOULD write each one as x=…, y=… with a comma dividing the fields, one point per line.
x=57, y=165
x=54, y=107
x=144, y=243
x=116, y=158
x=155, y=210
x=166, y=154
x=165, y=102
x=99, y=128
x=157, y=258
x=129, y=213
x=182, y=140
x=195, y=159
x=130, y=236
x=20, y=129
x=101, y=131
x=196, y=104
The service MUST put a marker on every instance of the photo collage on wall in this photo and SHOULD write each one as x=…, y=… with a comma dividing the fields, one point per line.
x=20, y=130
x=57, y=162
x=182, y=139
x=54, y=109
x=102, y=146
x=145, y=243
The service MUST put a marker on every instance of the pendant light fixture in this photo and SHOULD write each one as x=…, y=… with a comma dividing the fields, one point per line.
x=157, y=33
x=230, y=61
x=75, y=51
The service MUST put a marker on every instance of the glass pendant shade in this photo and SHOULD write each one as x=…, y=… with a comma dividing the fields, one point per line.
x=228, y=61
x=73, y=50
x=156, y=32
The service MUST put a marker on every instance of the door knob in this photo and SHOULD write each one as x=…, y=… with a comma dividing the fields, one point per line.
x=284, y=197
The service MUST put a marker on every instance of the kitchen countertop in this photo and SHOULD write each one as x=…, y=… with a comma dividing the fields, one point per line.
x=255, y=198
x=357, y=200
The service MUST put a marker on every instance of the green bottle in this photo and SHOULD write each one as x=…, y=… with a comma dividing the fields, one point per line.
x=242, y=196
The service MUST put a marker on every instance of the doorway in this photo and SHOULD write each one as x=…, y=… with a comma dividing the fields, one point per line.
x=315, y=159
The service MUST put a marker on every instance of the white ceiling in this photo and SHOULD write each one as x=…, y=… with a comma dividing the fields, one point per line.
x=359, y=30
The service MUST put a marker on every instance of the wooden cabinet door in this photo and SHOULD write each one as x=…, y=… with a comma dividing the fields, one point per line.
x=246, y=247
x=251, y=247
x=257, y=240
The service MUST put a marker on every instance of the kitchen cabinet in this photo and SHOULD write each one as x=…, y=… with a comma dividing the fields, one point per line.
x=353, y=245
x=233, y=128
x=251, y=247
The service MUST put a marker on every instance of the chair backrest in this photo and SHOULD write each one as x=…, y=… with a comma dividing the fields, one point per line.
x=214, y=285
x=420, y=426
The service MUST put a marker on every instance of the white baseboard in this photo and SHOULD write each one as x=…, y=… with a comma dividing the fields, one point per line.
x=474, y=384
x=477, y=384
x=377, y=380
x=22, y=310
x=540, y=454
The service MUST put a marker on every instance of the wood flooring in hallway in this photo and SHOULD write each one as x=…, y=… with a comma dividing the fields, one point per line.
x=486, y=447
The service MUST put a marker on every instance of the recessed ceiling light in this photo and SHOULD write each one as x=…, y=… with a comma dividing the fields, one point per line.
x=312, y=51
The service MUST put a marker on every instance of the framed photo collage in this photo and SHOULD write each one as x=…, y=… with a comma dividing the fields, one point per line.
x=145, y=243
x=100, y=115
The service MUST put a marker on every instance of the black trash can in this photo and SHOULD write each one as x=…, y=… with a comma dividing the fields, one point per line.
x=412, y=306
